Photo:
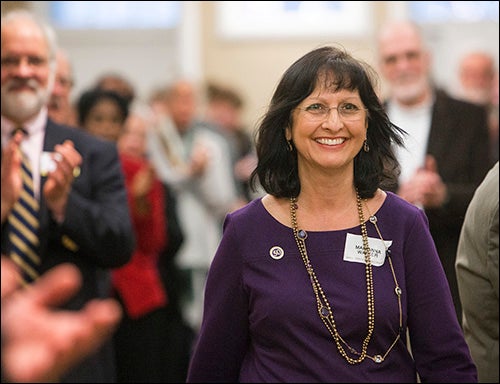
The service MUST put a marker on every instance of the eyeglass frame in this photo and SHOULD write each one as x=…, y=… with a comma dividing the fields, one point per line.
x=311, y=112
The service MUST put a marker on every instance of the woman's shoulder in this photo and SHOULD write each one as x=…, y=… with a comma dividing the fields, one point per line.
x=255, y=215
x=400, y=212
x=254, y=231
x=250, y=210
x=397, y=203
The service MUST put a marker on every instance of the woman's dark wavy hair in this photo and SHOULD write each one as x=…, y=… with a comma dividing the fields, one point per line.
x=277, y=170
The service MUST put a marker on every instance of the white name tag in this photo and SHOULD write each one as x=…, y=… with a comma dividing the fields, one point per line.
x=353, y=250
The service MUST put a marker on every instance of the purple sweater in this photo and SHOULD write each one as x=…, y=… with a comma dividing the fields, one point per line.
x=261, y=324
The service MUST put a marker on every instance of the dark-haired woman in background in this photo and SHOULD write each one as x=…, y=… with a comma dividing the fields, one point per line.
x=140, y=341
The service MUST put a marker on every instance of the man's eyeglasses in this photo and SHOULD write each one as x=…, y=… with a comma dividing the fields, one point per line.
x=347, y=112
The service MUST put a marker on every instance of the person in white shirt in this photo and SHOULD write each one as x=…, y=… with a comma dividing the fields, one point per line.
x=195, y=162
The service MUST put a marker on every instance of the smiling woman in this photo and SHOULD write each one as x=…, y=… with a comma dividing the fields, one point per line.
x=324, y=287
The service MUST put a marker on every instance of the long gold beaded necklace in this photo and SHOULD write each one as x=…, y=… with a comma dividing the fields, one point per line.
x=324, y=308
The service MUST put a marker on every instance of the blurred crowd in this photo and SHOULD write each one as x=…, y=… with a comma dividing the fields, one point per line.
x=185, y=159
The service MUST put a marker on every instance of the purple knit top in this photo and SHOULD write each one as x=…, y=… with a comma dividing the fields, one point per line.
x=261, y=322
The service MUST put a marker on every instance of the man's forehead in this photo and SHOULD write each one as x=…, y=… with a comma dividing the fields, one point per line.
x=23, y=35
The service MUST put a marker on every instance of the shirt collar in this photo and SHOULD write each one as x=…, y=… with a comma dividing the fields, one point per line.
x=32, y=126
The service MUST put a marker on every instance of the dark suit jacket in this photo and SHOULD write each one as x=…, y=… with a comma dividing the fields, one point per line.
x=459, y=141
x=96, y=233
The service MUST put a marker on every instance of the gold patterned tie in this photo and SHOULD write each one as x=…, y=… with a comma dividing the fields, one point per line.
x=24, y=225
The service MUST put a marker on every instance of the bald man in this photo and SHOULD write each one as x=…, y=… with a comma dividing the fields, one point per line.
x=478, y=83
x=476, y=74
x=60, y=107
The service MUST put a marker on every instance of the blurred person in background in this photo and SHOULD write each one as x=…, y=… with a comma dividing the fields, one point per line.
x=477, y=274
x=446, y=152
x=153, y=342
x=102, y=113
x=113, y=81
x=141, y=337
x=195, y=162
x=476, y=74
x=40, y=341
x=83, y=215
x=145, y=345
x=177, y=283
x=60, y=107
x=223, y=110
x=478, y=83
x=157, y=102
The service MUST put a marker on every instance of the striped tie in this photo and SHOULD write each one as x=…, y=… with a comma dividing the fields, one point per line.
x=24, y=226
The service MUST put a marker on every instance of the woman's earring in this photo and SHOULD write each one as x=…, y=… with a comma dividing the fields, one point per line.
x=290, y=148
x=366, y=147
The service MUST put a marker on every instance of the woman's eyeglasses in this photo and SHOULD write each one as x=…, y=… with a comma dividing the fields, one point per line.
x=347, y=112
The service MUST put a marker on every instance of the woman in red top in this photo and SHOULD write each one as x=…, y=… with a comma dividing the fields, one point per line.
x=141, y=340
x=138, y=282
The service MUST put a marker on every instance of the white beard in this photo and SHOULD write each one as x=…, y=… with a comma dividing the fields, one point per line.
x=407, y=93
x=23, y=105
x=477, y=95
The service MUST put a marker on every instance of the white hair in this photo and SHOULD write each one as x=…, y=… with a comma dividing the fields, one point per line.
x=47, y=31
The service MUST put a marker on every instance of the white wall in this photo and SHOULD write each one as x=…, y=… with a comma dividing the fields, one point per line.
x=152, y=57
x=147, y=58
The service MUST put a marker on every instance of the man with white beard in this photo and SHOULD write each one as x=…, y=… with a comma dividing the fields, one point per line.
x=446, y=151
x=80, y=210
